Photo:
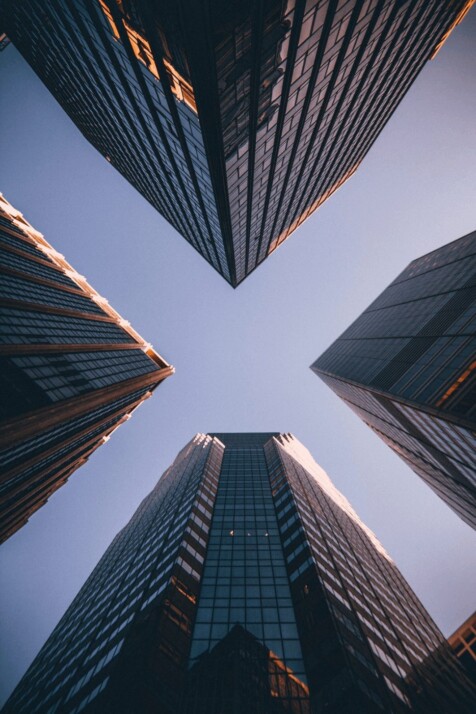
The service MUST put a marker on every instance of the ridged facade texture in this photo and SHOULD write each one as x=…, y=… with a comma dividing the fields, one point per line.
x=236, y=119
x=71, y=370
x=246, y=583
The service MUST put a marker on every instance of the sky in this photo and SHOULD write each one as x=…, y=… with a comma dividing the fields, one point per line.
x=241, y=356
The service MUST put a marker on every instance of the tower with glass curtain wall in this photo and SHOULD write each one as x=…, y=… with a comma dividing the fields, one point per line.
x=407, y=367
x=237, y=119
x=71, y=370
x=244, y=583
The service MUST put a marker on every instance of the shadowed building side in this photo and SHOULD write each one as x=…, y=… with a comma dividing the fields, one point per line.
x=407, y=367
x=235, y=120
x=71, y=370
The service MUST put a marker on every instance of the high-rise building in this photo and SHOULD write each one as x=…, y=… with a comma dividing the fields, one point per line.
x=463, y=644
x=235, y=119
x=244, y=583
x=407, y=367
x=71, y=370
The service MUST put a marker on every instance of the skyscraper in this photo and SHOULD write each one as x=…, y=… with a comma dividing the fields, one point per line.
x=244, y=583
x=236, y=119
x=71, y=370
x=407, y=367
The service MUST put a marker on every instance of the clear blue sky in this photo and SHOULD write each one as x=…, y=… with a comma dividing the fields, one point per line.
x=242, y=356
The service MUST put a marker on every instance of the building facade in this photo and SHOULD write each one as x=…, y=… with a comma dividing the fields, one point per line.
x=463, y=644
x=244, y=583
x=4, y=41
x=71, y=370
x=235, y=120
x=407, y=367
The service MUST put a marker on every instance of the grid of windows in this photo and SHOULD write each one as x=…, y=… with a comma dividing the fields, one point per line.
x=34, y=268
x=236, y=124
x=71, y=369
x=17, y=242
x=11, y=456
x=463, y=644
x=407, y=367
x=30, y=327
x=244, y=582
x=380, y=622
x=20, y=289
x=55, y=460
x=150, y=567
x=66, y=375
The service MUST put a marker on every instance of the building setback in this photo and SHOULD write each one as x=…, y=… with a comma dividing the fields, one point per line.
x=407, y=367
x=71, y=370
x=244, y=583
x=236, y=119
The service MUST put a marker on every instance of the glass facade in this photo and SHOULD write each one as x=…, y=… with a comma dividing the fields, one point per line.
x=244, y=583
x=71, y=369
x=407, y=367
x=235, y=120
x=463, y=644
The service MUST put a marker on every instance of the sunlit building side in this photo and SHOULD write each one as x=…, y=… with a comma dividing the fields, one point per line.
x=71, y=370
x=463, y=644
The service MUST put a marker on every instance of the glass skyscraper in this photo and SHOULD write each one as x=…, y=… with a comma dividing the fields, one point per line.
x=71, y=370
x=407, y=367
x=244, y=583
x=235, y=119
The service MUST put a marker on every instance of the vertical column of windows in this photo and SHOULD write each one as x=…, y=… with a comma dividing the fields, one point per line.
x=244, y=582
x=335, y=649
